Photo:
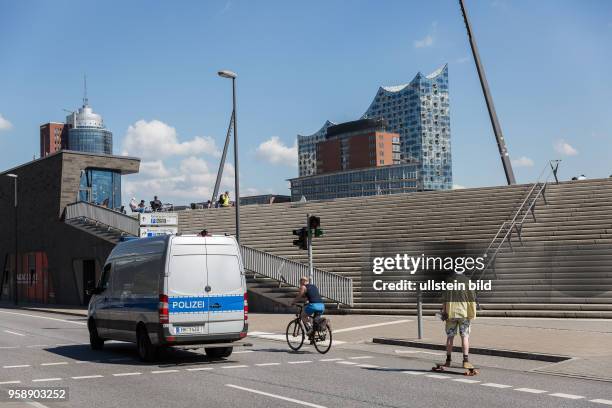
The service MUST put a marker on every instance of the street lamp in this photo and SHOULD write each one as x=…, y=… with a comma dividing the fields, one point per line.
x=232, y=75
x=15, y=177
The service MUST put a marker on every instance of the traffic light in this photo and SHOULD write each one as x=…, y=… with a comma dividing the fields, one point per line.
x=302, y=241
x=314, y=223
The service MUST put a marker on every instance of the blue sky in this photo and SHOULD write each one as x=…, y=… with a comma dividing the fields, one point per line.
x=151, y=69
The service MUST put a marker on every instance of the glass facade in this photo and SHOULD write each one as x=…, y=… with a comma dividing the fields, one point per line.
x=419, y=113
x=356, y=183
x=101, y=187
x=90, y=140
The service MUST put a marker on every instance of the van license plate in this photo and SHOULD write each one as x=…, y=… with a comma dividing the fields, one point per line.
x=190, y=330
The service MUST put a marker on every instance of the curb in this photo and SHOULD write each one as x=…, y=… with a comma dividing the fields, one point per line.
x=525, y=355
x=55, y=311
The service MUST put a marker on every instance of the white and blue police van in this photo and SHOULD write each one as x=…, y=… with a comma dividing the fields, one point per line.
x=172, y=290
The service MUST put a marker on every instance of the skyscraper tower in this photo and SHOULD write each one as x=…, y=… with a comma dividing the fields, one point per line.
x=87, y=132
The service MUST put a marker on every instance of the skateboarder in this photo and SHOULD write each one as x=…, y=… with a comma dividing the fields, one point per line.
x=458, y=310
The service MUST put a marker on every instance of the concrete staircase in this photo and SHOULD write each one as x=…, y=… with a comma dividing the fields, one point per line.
x=99, y=230
x=563, y=268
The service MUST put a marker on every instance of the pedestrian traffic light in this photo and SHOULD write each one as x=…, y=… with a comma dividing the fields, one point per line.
x=302, y=241
x=314, y=223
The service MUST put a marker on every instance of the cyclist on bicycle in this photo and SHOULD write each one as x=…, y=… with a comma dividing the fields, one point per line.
x=315, y=304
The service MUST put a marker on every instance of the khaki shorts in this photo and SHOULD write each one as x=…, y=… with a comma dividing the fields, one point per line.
x=462, y=326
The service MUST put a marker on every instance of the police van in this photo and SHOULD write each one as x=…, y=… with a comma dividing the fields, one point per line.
x=173, y=290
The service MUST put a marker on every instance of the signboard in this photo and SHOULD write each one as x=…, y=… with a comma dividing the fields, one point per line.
x=160, y=218
x=152, y=231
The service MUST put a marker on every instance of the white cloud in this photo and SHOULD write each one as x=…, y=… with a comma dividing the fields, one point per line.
x=191, y=180
x=156, y=139
x=564, y=148
x=462, y=60
x=274, y=151
x=429, y=39
x=5, y=124
x=522, y=161
x=458, y=187
x=154, y=169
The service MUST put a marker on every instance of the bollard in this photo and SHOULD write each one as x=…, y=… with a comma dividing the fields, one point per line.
x=420, y=314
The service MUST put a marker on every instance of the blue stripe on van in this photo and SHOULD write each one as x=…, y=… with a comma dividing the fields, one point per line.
x=202, y=304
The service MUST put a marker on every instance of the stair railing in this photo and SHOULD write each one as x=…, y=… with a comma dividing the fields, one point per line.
x=335, y=287
x=102, y=215
x=515, y=225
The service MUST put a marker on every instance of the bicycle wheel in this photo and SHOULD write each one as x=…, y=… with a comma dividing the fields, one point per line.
x=295, y=335
x=323, y=340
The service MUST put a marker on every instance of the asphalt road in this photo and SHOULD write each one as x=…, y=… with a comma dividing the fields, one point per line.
x=50, y=350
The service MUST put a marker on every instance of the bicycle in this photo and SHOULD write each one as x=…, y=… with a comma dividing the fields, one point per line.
x=320, y=337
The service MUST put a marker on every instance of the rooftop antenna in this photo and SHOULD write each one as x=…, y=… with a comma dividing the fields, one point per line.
x=85, y=100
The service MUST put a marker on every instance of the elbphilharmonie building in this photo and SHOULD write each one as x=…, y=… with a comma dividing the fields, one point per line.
x=419, y=112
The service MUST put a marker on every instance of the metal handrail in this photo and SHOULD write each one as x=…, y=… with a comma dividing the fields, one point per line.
x=331, y=285
x=103, y=215
x=523, y=210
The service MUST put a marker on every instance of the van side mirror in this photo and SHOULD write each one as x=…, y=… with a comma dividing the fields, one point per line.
x=95, y=291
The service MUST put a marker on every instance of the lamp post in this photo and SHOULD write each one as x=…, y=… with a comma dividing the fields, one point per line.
x=231, y=75
x=15, y=177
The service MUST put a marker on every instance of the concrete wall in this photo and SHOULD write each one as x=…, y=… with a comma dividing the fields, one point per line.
x=46, y=186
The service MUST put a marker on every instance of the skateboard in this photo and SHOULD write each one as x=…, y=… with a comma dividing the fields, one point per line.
x=470, y=370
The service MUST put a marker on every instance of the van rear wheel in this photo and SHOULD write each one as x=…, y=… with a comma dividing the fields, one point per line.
x=95, y=341
x=146, y=351
x=218, y=352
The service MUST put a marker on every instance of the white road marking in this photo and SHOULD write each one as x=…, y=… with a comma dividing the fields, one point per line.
x=466, y=380
x=367, y=326
x=38, y=345
x=267, y=394
x=418, y=351
x=164, y=371
x=53, y=364
x=346, y=362
x=10, y=382
x=438, y=376
x=236, y=366
x=367, y=366
x=413, y=372
x=530, y=390
x=199, y=369
x=280, y=337
x=125, y=374
x=15, y=333
x=331, y=359
x=360, y=357
x=84, y=377
x=267, y=364
x=36, y=404
x=17, y=366
x=87, y=361
x=567, y=396
x=299, y=362
x=9, y=347
x=601, y=401
x=43, y=317
x=243, y=352
x=495, y=385
x=47, y=379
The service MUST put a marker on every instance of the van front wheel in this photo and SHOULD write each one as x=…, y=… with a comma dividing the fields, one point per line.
x=218, y=352
x=95, y=341
x=146, y=350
